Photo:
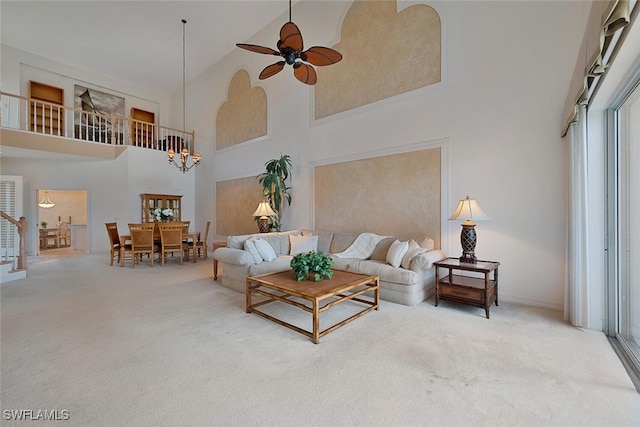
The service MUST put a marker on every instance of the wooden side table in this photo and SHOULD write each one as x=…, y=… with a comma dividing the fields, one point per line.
x=216, y=245
x=475, y=291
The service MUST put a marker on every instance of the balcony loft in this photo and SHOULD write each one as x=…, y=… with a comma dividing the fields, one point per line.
x=33, y=124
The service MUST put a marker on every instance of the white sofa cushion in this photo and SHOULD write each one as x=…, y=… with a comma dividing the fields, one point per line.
x=265, y=250
x=386, y=272
x=324, y=239
x=427, y=243
x=303, y=244
x=413, y=251
x=396, y=251
x=281, y=263
x=250, y=245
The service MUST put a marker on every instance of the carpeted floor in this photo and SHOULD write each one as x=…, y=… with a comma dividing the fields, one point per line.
x=168, y=346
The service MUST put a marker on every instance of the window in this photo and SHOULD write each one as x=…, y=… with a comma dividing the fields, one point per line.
x=623, y=227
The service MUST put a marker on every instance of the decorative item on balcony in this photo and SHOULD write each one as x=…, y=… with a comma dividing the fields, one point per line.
x=468, y=210
x=161, y=214
x=184, y=154
x=312, y=265
x=46, y=201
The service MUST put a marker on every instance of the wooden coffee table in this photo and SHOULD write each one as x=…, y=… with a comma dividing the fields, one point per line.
x=321, y=296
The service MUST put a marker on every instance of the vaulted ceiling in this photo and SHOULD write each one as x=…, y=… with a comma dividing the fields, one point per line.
x=136, y=41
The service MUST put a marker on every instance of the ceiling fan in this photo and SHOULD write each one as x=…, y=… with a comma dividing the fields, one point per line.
x=290, y=48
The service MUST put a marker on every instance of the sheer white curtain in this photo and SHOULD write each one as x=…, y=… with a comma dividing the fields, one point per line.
x=576, y=301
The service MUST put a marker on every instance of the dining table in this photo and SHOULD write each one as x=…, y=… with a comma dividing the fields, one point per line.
x=45, y=235
x=186, y=237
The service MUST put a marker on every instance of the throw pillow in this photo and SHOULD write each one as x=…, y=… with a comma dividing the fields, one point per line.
x=428, y=244
x=302, y=244
x=396, y=251
x=250, y=246
x=413, y=251
x=265, y=250
x=382, y=248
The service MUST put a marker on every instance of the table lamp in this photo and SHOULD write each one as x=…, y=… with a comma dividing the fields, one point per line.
x=264, y=211
x=469, y=211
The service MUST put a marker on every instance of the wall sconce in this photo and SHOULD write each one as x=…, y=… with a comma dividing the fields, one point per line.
x=264, y=211
x=468, y=210
x=46, y=201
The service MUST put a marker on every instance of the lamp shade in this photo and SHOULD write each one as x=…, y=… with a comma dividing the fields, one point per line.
x=264, y=209
x=469, y=210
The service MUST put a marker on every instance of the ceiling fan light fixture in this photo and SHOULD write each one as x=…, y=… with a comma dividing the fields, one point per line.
x=290, y=49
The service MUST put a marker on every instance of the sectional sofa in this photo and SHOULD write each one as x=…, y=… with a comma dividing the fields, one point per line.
x=405, y=266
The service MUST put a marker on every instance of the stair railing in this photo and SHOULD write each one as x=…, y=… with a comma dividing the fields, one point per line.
x=22, y=232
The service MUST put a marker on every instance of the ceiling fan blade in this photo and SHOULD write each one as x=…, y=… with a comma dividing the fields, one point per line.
x=318, y=55
x=258, y=49
x=271, y=70
x=290, y=37
x=305, y=73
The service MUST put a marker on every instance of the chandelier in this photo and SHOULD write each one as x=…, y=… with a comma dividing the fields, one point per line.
x=184, y=154
x=184, y=158
x=46, y=201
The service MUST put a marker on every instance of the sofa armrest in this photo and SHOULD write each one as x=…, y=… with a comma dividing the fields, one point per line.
x=425, y=261
x=233, y=256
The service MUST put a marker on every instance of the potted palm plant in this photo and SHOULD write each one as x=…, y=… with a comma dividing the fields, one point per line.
x=274, y=186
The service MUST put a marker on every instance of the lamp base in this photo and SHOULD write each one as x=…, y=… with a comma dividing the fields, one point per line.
x=468, y=259
x=468, y=240
x=264, y=225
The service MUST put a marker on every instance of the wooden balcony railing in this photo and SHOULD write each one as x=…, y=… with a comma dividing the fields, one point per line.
x=32, y=115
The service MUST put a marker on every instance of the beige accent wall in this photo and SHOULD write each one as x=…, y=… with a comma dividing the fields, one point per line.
x=396, y=195
x=385, y=53
x=236, y=200
x=243, y=116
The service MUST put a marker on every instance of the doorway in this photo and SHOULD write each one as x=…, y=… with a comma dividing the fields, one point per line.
x=61, y=222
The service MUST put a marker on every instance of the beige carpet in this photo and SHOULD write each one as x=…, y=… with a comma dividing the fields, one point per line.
x=167, y=346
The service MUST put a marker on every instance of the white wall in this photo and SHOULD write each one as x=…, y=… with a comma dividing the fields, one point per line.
x=19, y=67
x=113, y=187
x=499, y=108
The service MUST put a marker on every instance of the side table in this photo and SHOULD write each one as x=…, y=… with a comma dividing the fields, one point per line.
x=475, y=291
x=216, y=245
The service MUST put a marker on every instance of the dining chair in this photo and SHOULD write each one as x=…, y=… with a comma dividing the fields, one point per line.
x=185, y=226
x=114, y=239
x=64, y=233
x=142, y=242
x=171, y=240
x=201, y=245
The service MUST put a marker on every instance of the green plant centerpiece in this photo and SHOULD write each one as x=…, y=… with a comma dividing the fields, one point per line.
x=274, y=186
x=312, y=265
x=44, y=224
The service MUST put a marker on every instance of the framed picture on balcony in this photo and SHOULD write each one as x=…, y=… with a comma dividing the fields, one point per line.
x=94, y=122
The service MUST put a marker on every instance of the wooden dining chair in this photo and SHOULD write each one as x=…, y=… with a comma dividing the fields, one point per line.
x=201, y=245
x=142, y=242
x=171, y=240
x=64, y=233
x=114, y=240
x=185, y=226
